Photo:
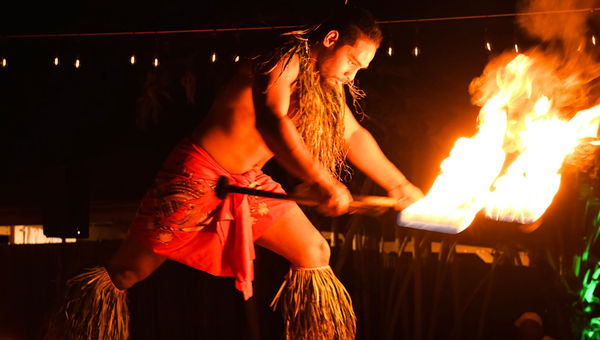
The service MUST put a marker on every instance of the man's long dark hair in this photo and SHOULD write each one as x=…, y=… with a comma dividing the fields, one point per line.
x=351, y=22
x=319, y=116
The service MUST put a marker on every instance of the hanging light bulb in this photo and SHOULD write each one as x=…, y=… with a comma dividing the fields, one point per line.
x=390, y=51
x=213, y=58
x=416, y=51
x=4, y=62
x=236, y=59
x=132, y=59
x=155, y=62
x=56, y=61
x=488, y=46
x=516, y=48
x=77, y=63
x=594, y=40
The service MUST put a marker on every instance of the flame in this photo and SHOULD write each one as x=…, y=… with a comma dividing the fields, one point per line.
x=511, y=167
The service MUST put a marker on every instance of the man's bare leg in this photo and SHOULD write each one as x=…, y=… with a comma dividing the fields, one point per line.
x=314, y=303
x=95, y=305
x=132, y=263
x=294, y=237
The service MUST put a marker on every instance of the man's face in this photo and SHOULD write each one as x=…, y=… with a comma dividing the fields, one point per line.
x=339, y=64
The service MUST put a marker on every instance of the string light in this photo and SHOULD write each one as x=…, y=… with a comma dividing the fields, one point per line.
x=77, y=63
x=155, y=62
x=4, y=62
x=488, y=46
x=132, y=59
x=390, y=47
x=213, y=58
x=516, y=48
x=594, y=40
x=56, y=61
x=236, y=59
x=416, y=50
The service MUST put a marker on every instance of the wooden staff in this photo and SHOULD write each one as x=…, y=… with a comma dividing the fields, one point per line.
x=370, y=205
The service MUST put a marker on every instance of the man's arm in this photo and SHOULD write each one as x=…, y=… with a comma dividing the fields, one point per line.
x=366, y=155
x=271, y=95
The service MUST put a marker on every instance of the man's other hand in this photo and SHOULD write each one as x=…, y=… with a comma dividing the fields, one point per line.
x=406, y=195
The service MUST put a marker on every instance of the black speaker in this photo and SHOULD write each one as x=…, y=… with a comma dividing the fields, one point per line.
x=66, y=204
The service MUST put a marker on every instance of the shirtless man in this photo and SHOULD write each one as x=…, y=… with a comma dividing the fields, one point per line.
x=260, y=114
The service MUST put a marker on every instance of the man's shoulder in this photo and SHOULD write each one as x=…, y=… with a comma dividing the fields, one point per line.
x=285, y=69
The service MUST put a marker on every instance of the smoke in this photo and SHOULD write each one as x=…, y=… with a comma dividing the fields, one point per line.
x=568, y=29
x=564, y=66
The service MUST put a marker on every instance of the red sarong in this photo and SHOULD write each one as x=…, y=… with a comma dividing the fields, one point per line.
x=181, y=217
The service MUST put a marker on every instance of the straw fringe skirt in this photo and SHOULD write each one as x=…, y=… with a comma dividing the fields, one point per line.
x=315, y=305
x=93, y=308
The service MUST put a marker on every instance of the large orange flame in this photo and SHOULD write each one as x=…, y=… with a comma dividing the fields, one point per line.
x=511, y=167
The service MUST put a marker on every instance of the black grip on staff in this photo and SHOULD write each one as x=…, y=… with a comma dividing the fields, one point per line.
x=223, y=189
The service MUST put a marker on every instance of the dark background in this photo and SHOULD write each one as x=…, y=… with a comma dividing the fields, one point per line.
x=92, y=121
x=58, y=115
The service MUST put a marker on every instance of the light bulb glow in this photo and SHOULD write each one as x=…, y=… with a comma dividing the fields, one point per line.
x=236, y=59
x=488, y=46
x=594, y=40
x=155, y=63
x=390, y=51
x=4, y=62
x=516, y=48
x=416, y=51
x=213, y=58
x=77, y=63
x=56, y=61
x=132, y=59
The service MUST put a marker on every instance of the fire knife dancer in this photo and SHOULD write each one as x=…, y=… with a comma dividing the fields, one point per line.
x=288, y=105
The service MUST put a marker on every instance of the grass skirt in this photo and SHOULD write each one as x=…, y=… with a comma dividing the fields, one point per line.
x=93, y=308
x=315, y=305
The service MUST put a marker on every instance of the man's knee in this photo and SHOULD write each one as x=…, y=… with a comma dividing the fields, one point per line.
x=318, y=254
x=123, y=278
x=132, y=263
